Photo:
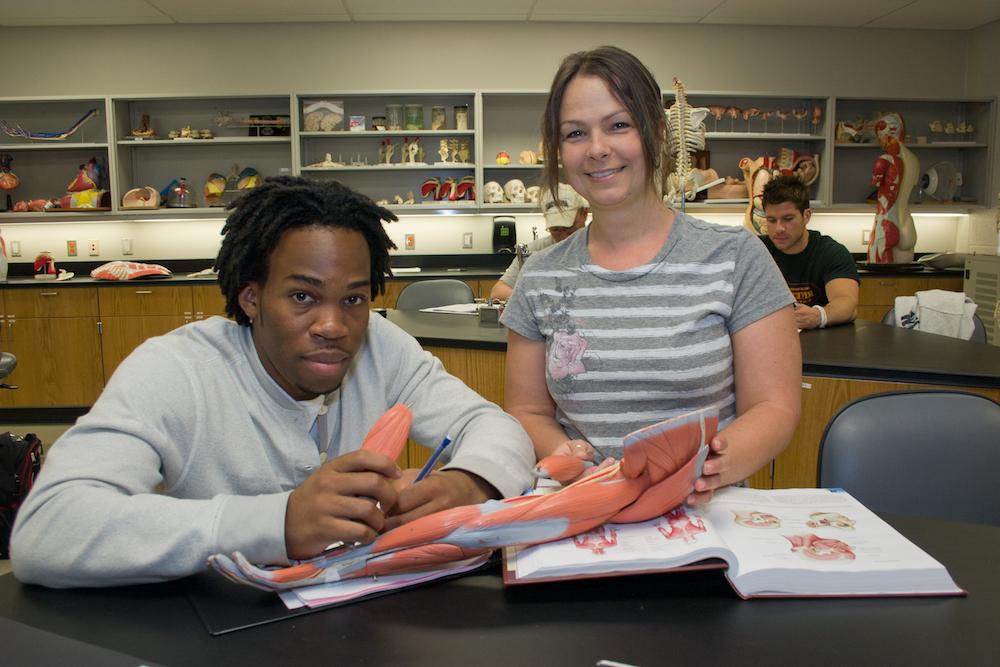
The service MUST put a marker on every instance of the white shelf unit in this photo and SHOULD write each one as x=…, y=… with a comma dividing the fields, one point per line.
x=971, y=156
x=498, y=120
x=157, y=162
x=358, y=152
x=45, y=167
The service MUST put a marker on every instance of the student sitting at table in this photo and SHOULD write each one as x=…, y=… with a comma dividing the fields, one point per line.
x=564, y=214
x=820, y=271
x=244, y=435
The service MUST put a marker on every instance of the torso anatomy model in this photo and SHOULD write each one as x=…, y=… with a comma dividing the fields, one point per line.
x=656, y=473
x=894, y=174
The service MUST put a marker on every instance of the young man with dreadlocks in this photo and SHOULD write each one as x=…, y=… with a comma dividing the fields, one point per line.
x=243, y=435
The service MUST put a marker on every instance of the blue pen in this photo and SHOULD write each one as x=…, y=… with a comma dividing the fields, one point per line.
x=433, y=459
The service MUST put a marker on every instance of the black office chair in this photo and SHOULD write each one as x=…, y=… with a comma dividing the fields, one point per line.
x=978, y=330
x=928, y=453
x=432, y=293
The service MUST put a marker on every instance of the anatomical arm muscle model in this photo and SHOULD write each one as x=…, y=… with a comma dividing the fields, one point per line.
x=656, y=473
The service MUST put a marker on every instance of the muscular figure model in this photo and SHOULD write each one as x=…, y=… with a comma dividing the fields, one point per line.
x=894, y=175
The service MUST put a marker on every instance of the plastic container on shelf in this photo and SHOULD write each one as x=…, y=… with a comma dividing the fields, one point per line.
x=462, y=117
x=438, y=118
x=394, y=116
x=414, y=117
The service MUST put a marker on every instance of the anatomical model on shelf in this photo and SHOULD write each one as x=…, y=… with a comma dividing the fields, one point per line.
x=15, y=130
x=8, y=179
x=328, y=160
x=503, y=158
x=532, y=194
x=514, y=191
x=685, y=135
x=147, y=197
x=758, y=172
x=894, y=175
x=145, y=130
x=492, y=193
x=443, y=149
x=656, y=473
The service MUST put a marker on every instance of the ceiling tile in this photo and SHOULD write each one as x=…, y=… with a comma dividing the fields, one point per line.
x=252, y=11
x=622, y=11
x=843, y=13
x=934, y=14
x=70, y=12
x=438, y=10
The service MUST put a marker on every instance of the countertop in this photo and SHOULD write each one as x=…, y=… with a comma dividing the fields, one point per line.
x=861, y=350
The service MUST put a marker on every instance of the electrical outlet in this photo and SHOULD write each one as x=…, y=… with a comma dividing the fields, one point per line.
x=126, y=246
x=467, y=240
x=409, y=241
x=15, y=248
x=866, y=237
x=71, y=248
x=93, y=248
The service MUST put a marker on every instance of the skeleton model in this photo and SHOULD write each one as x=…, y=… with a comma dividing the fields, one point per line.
x=685, y=134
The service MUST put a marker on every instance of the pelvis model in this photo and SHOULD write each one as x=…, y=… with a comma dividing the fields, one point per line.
x=657, y=472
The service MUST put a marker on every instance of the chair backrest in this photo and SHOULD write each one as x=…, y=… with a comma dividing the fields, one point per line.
x=928, y=453
x=978, y=329
x=431, y=293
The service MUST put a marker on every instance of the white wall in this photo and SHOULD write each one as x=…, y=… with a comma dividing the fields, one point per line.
x=285, y=58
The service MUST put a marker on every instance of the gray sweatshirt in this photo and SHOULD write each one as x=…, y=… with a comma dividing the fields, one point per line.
x=192, y=449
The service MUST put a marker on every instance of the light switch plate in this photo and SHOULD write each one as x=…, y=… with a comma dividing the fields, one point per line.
x=467, y=240
x=409, y=241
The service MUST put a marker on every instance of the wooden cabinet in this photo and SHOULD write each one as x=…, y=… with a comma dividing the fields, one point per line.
x=208, y=301
x=53, y=332
x=878, y=293
x=132, y=313
x=821, y=399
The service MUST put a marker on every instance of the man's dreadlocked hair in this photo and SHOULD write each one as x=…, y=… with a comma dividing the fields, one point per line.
x=260, y=217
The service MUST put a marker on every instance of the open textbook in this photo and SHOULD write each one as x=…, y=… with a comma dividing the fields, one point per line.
x=788, y=542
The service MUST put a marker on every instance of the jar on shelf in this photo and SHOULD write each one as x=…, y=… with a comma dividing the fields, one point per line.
x=437, y=118
x=181, y=195
x=414, y=117
x=394, y=116
x=462, y=117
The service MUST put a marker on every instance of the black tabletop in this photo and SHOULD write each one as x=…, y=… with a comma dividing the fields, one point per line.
x=871, y=350
x=861, y=350
x=678, y=618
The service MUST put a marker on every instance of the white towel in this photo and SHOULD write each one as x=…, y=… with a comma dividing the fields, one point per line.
x=937, y=311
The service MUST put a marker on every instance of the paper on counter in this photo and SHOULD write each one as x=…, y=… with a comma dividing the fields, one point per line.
x=454, y=309
x=406, y=269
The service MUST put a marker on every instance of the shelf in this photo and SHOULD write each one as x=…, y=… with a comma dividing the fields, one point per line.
x=396, y=167
x=515, y=167
x=763, y=136
x=142, y=143
x=344, y=134
x=935, y=144
x=52, y=145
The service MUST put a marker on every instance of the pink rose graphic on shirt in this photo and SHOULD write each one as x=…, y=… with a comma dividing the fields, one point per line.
x=566, y=355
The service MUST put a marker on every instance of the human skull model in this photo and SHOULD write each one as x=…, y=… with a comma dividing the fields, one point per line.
x=492, y=193
x=514, y=191
x=532, y=194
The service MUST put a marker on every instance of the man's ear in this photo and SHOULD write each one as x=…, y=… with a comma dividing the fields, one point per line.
x=249, y=300
x=807, y=214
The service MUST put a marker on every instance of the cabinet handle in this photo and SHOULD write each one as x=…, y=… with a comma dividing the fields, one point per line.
x=48, y=294
x=144, y=291
x=887, y=283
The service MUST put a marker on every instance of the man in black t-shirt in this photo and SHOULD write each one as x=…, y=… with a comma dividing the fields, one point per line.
x=819, y=271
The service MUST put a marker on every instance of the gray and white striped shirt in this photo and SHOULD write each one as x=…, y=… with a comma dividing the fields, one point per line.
x=626, y=349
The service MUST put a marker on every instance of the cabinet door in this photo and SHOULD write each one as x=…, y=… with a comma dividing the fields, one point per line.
x=208, y=301
x=58, y=361
x=121, y=335
x=51, y=301
x=142, y=300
